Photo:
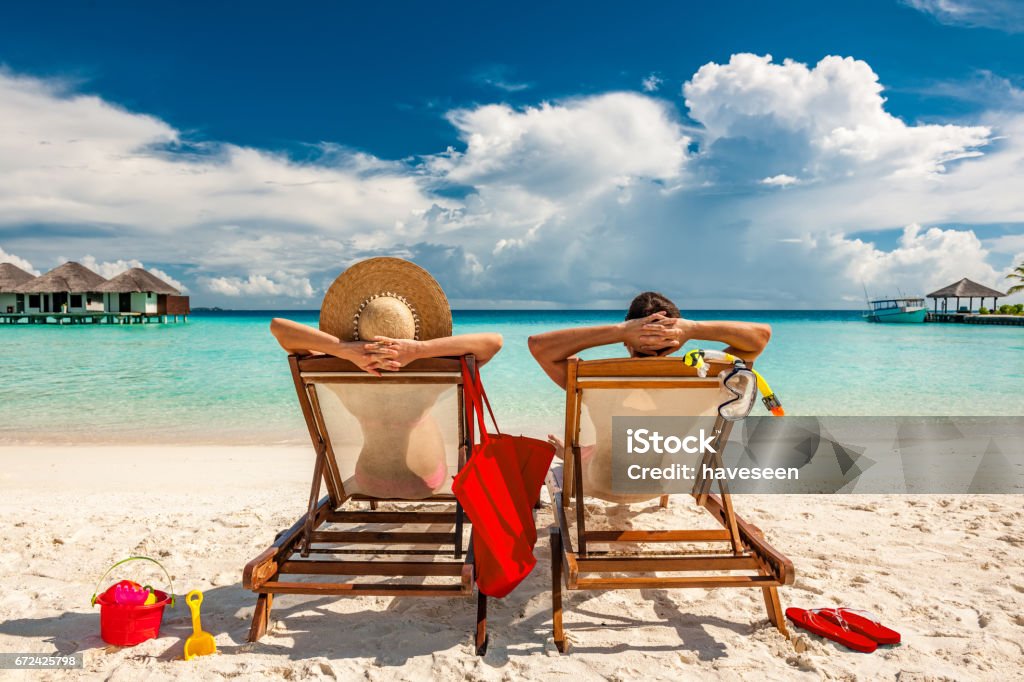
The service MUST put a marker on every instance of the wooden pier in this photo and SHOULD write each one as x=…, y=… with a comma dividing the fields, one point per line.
x=972, y=318
x=90, y=318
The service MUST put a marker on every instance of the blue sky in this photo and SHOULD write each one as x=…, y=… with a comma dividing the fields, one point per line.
x=250, y=154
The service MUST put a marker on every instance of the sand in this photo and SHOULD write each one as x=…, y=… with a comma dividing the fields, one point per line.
x=944, y=570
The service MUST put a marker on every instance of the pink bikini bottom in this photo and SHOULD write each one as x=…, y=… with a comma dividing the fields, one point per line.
x=424, y=487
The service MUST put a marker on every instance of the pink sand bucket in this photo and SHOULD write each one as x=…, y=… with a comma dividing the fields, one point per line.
x=125, y=617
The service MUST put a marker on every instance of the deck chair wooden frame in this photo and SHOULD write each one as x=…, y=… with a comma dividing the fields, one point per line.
x=436, y=554
x=744, y=553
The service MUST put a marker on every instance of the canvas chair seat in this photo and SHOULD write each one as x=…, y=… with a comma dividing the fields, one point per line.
x=733, y=553
x=600, y=406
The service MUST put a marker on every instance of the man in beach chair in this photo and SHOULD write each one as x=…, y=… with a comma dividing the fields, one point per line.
x=380, y=388
x=648, y=384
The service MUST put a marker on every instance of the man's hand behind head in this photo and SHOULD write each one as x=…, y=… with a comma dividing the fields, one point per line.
x=655, y=335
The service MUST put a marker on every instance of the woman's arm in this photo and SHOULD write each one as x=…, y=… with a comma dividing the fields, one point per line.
x=304, y=340
x=396, y=353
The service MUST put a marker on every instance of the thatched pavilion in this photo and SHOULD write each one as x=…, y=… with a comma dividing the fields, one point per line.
x=140, y=291
x=11, y=277
x=968, y=289
x=68, y=288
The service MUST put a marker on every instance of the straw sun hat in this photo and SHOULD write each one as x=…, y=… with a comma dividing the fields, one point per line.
x=385, y=297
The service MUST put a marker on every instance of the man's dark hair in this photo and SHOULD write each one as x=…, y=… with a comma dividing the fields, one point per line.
x=651, y=302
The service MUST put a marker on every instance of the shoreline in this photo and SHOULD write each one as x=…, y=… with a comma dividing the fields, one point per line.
x=939, y=568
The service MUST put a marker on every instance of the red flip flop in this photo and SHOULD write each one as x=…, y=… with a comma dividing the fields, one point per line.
x=810, y=621
x=862, y=623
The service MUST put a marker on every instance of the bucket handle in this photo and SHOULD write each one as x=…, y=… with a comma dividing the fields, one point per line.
x=95, y=594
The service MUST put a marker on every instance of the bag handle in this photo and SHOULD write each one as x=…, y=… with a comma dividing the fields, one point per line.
x=473, y=403
x=483, y=394
x=476, y=398
x=95, y=594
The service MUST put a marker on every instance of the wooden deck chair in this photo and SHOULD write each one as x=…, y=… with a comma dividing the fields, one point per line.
x=734, y=555
x=417, y=546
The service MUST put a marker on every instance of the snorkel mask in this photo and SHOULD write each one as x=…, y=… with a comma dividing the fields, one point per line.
x=742, y=382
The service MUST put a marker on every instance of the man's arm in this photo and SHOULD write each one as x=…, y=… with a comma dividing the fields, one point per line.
x=745, y=340
x=552, y=350
x=655, y=334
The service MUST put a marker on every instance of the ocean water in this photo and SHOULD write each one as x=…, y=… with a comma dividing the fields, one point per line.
x=223, y=378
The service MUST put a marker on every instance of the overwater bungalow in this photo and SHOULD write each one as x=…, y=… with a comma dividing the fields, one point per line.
x=142, y=292
x=73, y=294
x=11, y=277
x=67, y=289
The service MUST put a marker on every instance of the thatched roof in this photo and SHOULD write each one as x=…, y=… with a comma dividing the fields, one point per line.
x=137, y=280
x=11, y=277
x=71, y=277
x=965, y=288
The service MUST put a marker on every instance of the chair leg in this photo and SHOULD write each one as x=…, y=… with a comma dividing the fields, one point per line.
x=481, y=624
x=261, y=617
x=459, y=522
x=774, y=607
x=663, y=501
x=556, y=592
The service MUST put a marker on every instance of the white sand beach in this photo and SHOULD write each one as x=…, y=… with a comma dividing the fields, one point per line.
x=943, y=570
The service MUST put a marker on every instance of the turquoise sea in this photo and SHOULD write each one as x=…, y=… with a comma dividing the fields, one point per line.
x=222, y=377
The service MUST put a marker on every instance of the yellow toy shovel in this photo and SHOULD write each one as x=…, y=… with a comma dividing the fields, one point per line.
x=199, y=643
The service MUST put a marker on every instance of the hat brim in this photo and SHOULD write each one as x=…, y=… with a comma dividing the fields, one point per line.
x=381, y=275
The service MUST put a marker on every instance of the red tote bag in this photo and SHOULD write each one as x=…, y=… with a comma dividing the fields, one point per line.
x=498, y=488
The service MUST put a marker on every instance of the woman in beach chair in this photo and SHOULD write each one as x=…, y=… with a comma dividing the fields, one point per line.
x=380, y=387
x=366, y=321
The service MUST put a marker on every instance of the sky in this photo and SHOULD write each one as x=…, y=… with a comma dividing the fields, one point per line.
x=530, y=155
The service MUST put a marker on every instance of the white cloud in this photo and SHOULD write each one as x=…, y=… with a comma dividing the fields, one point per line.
x=828, y=121
x=499, y=76
x=19, y=262
x=838, y=267
x=131, y=181
x=780, y=180
x=1007, y=243
x=282, y=284
x=110, y=269
x=983, y=87
x=1003, y=15
x=578, y=202
x=583, y=145
x=923, y=260
x=77, y=159
x=651, y=83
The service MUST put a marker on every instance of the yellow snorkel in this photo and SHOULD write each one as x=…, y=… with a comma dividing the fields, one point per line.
x=696, y=359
